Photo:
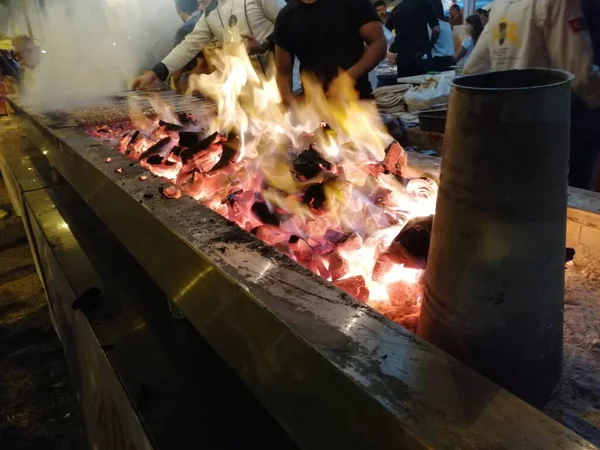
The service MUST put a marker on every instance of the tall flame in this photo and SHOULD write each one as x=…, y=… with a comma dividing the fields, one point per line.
x=348, y=133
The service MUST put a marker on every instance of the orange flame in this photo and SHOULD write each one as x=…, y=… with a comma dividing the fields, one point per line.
x=249, y=105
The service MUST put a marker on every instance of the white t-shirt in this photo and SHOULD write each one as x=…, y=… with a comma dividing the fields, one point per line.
x=444, y=46
x=389, y=36
x=260, y=13
x=468, y=45
x=539, y=33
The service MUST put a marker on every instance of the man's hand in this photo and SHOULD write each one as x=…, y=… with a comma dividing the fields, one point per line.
x=252, y=45
x=392, y=57
x=144, y=81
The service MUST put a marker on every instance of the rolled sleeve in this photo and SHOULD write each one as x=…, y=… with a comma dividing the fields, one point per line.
x=569, y=47
x=187, y=49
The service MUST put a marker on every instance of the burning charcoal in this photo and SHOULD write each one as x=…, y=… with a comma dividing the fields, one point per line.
x=335, y=236
x=338, y=266
x=415, y=237
x=123, y=142
x=410, y=322
x=154, y=160
x=167, y=169
x=203, y=145
x=109, y=159
x=351, y=243
x=143, y=177
x=119, y=170
x=170, y=192
x=395, y=255
x=569, y=254
x=162, y=148
x=270, y=235
x=215, y=186
x=403, y=295
x=376, y=169
x=382, y=196
x=310, y=164
x=134, y=138
x=314, y=196
x=189, y=138
x=303, y=253
x=169, y=126
x=396, y=159
x=127, y=140
x=176, y=151
x=231, y=150
x=265, y=215
x=317, y=228
x=355, y=286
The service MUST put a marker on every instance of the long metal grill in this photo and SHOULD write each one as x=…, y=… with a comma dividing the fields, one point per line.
x=117, y=108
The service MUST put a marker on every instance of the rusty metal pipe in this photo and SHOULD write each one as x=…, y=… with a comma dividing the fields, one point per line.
x=495, y=277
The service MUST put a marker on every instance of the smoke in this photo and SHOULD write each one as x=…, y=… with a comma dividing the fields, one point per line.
x=94, y=48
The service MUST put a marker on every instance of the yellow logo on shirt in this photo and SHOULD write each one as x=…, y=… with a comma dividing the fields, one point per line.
x=506, y=31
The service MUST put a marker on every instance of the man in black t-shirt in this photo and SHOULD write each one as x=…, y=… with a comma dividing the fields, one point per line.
x=410, y=19
x=326, y=36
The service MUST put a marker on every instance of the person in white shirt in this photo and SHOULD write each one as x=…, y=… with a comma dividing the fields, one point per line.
x=383, y=14
x=473, y=30
x=254, y=18
x=523, y=34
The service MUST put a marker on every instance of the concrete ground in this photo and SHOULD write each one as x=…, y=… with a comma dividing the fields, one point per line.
x=38, y=404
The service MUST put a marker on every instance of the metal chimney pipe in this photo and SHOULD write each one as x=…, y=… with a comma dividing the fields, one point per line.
x=494, y=283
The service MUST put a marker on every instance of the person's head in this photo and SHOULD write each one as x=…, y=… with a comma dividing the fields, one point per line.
x=28, y=54
x=454, y=11
x=381, y=8
x=185, y=8
x=483, y=15
x=474, y=27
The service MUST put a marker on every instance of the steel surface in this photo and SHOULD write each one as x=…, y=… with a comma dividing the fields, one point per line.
x=335, y=373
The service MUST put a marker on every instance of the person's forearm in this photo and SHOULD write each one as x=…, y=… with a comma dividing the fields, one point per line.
x=184, y=52
x=435, y=34
x=284, y=83
x=373, y=55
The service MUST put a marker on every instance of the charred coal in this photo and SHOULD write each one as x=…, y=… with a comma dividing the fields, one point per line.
x=231, y=151
x=169, y=126
x=310, y=164
x=190, y=138
x=265, y=215
x=416, y=236
x=314, y=196
x=162, y=149
x=203, y=145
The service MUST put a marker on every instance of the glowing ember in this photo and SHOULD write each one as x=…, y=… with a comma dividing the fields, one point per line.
x=321, y=182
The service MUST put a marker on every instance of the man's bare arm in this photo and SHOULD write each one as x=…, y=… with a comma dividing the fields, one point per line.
x=375, y=51
x=284, y=63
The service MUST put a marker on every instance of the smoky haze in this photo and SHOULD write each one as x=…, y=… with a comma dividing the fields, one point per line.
x=94, y=48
